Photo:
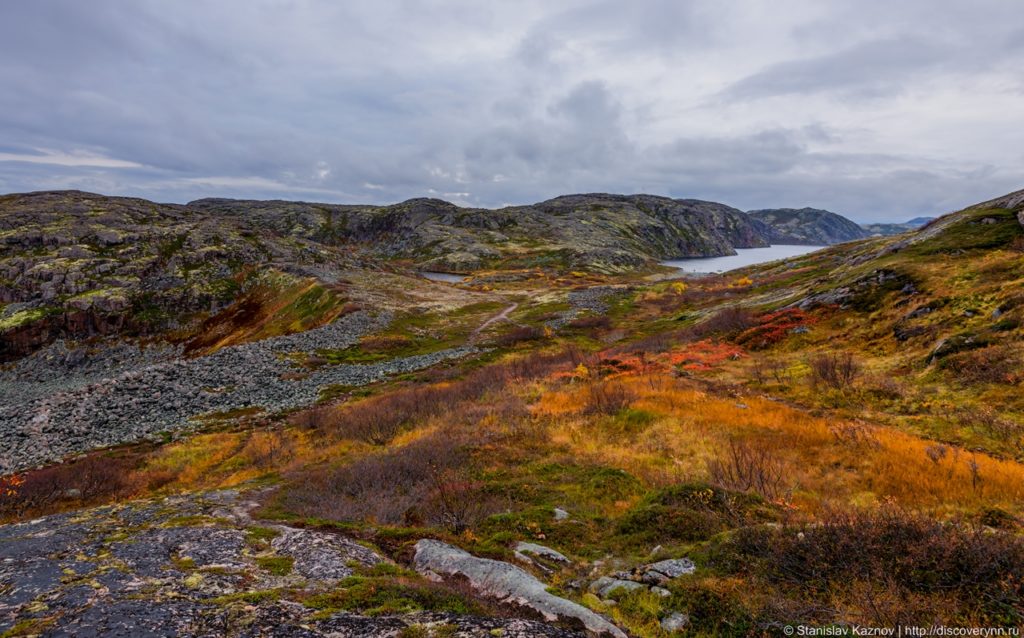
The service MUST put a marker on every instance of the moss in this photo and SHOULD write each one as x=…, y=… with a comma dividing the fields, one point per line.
x=276, y=565
x=183, y=564
x=194, y=520
x=25, y=317
x=170, y=247
x=250, y=597
x=260, y=534
x=28, y=627
x=712, y=611
x=377, y=596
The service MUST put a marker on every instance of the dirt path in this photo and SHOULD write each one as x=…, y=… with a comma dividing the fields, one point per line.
x=501, y=316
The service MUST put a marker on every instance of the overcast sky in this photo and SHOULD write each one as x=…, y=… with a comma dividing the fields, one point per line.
x=877, y=110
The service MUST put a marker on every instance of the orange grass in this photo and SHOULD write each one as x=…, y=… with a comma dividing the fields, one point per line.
x=826, y=462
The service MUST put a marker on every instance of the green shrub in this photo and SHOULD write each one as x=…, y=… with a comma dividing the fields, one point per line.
x=691, y=512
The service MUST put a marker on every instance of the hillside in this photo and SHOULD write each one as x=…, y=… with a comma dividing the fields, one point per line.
x=833, y=439
x=809, y=226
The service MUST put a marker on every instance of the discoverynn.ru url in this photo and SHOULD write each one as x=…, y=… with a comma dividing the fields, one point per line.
x=897, y=632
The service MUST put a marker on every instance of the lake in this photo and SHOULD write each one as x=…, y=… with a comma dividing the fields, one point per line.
x=443, y=276
x=743, y=257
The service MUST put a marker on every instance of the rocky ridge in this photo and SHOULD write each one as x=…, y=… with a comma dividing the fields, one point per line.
x=594, y=231
x=898, y=228
x=507, y=583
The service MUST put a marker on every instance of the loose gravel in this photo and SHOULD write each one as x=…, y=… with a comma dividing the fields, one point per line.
x=59, y=402
x=591, y=300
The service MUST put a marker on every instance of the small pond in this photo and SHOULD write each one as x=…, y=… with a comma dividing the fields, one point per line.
x=443, y=276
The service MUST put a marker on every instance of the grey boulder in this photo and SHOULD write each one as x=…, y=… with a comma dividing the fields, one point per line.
x=506, y=583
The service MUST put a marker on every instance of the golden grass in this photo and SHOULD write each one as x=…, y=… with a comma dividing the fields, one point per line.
x=825, y=462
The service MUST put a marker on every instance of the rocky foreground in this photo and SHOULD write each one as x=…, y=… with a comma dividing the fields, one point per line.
x=198, y=565
x=201, y=564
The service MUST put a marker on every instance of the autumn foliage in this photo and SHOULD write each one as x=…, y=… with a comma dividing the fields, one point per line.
x=773, y=327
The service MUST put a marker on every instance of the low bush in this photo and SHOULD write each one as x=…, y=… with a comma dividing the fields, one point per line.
x=592, y=323
x=765, y=370
x=771, y=328
x=691, y=512
x=427, y=482
x=991, y=423
x=607, y=397
x=746, y=467
x=727, y=323
x=377, y=420
x=519, y=334
x=890, y=553
x=999, y=364
x=384, y=343
x=837, y=371
x=91, y=479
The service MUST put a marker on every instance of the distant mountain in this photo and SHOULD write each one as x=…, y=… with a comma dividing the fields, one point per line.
x=807, y=226
x=896, y=229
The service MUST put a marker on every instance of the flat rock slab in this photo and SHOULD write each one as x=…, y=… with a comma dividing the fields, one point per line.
x=172, y=567
x=506, y=583
x=525, y=550
x=321, y=556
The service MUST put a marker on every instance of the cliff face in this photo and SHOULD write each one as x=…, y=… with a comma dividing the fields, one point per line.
x=810, y=226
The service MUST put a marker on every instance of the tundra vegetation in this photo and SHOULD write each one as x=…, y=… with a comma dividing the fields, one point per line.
x=837, y=438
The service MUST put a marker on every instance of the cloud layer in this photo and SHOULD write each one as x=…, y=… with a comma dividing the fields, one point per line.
x=878, y=110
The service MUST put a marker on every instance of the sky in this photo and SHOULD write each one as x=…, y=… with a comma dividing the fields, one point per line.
x=881, y=111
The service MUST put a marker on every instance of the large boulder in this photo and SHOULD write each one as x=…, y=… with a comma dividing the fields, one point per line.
x=506, y=583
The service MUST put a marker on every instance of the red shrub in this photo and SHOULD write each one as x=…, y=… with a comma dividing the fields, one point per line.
x=773, y=327
x=704, y=355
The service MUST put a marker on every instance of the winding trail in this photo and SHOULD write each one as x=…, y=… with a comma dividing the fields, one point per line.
x=501, y=316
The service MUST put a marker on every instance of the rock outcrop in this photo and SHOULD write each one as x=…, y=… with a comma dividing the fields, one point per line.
x=196, y=565
x=506, y=583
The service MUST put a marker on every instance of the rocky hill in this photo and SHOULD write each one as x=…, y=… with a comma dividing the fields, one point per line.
x=599, y=232
x=808, y=226
x=75, y=265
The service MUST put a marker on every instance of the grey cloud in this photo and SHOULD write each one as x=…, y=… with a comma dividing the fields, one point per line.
x=509, y=102
x=868, y=69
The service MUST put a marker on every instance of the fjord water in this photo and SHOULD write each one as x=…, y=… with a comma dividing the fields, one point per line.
x=743, y=257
